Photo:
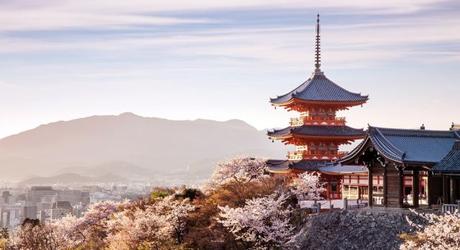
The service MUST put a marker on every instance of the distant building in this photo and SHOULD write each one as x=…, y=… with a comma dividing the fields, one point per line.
x=10, y=215
x=74, y=196
x=5, y=218
x=60, y=209
x=103, y=196
x=30, y=211
x=43, y=216
x=45, y=203
x=6, y=197
x=36, y=193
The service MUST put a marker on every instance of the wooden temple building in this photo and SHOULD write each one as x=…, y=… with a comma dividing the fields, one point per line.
x=447, y=172
x=401, y=168
x=390, y=167
x=317, y=133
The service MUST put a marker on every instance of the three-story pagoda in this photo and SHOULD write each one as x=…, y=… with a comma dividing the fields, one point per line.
x=317, y=133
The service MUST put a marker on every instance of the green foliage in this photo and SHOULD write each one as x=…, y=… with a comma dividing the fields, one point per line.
x=160, y=193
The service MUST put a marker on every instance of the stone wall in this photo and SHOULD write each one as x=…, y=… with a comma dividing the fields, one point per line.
x=355, y=229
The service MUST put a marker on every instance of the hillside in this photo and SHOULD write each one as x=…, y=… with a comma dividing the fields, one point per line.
x=131, y=146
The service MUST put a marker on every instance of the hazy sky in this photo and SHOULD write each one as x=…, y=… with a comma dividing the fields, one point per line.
x=183, y=59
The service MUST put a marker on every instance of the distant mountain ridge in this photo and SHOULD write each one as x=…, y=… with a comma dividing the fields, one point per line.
x=71, y=179
x=131, y=146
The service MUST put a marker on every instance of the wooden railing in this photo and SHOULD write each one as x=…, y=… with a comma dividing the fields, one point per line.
x=299, y=155
x=308, y=120
x=450, y=208
x=353, y=204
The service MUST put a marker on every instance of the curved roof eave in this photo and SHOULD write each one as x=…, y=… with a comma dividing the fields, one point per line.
x=384, y=146
x=353, y=153
x=317, y=131
x=319, y=89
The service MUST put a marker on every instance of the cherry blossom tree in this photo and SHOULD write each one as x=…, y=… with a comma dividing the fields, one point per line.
x=261, y=221
x=35, y=235
x=150, y=227
x=175, y=214
x=130, y=229
x=307, y=186
x=441, y=232
x=91, y=228
x=65, y=230
x=242, y=170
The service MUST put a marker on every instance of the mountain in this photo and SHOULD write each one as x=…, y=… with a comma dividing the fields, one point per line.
x=125, y=169
x=69, y=179
x=131, y=146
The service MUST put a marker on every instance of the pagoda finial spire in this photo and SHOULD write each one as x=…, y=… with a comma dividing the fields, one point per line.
x=317, y=48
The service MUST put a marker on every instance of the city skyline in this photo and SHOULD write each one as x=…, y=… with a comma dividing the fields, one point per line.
x=222, y=61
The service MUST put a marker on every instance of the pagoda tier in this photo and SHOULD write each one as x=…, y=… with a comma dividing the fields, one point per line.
x=318, y=93
x=310, y=133
x=286, y=166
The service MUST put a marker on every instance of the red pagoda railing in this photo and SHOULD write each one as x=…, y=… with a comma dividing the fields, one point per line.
x=305, y=155
x=308, y=120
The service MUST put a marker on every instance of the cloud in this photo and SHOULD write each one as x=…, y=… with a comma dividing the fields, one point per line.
x=59, y=14
x=233, y=42
x=49, y=19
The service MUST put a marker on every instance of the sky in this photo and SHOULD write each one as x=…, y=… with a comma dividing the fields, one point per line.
x=221, y=60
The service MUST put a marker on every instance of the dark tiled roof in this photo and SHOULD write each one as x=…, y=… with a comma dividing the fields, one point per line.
x=344, y=169
x=417, y=146
x=317, y=130
x=320, y=88
x=308, y=165
x=275, y=166
x=409, y=146
x=450, y=163
x=304, y=165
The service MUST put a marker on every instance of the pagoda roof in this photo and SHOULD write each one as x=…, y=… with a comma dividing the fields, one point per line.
x=317, y=131
x=319, y=89
x=451, y=162
x=284, y=166
x=344, y=170
x=410, y=146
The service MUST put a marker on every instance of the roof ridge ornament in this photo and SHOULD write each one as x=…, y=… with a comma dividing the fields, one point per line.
x=318, y=48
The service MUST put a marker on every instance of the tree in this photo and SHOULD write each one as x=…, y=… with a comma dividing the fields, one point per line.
x=130, y=229
x=241, y=170
x=261, y=221
x=307, y=186
x=440, y=232
x=176, y=213
x=90, y=230
x=4, y=238
x=157, y=224
x=34, y=235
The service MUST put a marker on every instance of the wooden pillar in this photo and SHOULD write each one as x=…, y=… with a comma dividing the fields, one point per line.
x=401, y=186
x=370, y=185
x=416, y=187
x=428, y=189
x=385, y=187
x=445, y=189
x=452, y=190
